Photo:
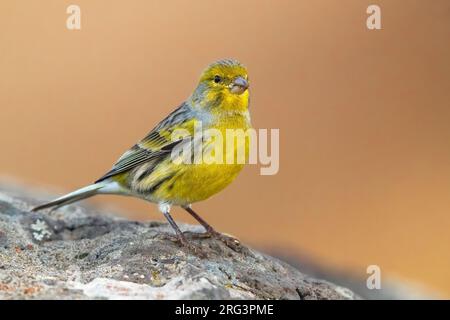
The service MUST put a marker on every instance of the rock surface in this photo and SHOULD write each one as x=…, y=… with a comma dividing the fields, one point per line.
x=77, y=253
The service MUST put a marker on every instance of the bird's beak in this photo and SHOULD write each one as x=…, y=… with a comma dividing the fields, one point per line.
x=239, y=85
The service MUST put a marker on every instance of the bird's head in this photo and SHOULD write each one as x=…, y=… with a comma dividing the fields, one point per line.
x=223, y=84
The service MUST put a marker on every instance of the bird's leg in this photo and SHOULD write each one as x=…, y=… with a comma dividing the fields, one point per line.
x=231, y=242
x=174, y=226
x=210, y=230
x=165, y=210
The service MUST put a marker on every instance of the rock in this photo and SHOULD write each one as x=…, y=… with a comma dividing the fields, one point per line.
x=77, y=253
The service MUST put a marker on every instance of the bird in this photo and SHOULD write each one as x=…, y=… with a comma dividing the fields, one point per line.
x=148, y=171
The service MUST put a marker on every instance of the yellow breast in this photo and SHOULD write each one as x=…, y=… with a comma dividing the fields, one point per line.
x=199, y=181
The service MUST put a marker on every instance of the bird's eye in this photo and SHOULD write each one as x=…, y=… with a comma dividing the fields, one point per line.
x=217, y=79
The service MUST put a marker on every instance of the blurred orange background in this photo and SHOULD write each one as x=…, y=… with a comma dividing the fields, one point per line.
x=364, y=116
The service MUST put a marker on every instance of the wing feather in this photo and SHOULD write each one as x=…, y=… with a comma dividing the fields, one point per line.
x=154, y=147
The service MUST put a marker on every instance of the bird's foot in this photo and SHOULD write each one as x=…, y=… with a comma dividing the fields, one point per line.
x=181, y=239
x=168, y=236
x=198, y=235
x=229, y=241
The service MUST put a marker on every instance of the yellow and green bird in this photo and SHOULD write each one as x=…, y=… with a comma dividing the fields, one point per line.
x=148, y=171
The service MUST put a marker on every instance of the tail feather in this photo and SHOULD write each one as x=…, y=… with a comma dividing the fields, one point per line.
x=74, y=196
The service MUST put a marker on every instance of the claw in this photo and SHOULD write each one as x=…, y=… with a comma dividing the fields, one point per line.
x=230, y=242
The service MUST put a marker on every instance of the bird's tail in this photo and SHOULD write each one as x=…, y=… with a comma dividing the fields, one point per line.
x=74, y=196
